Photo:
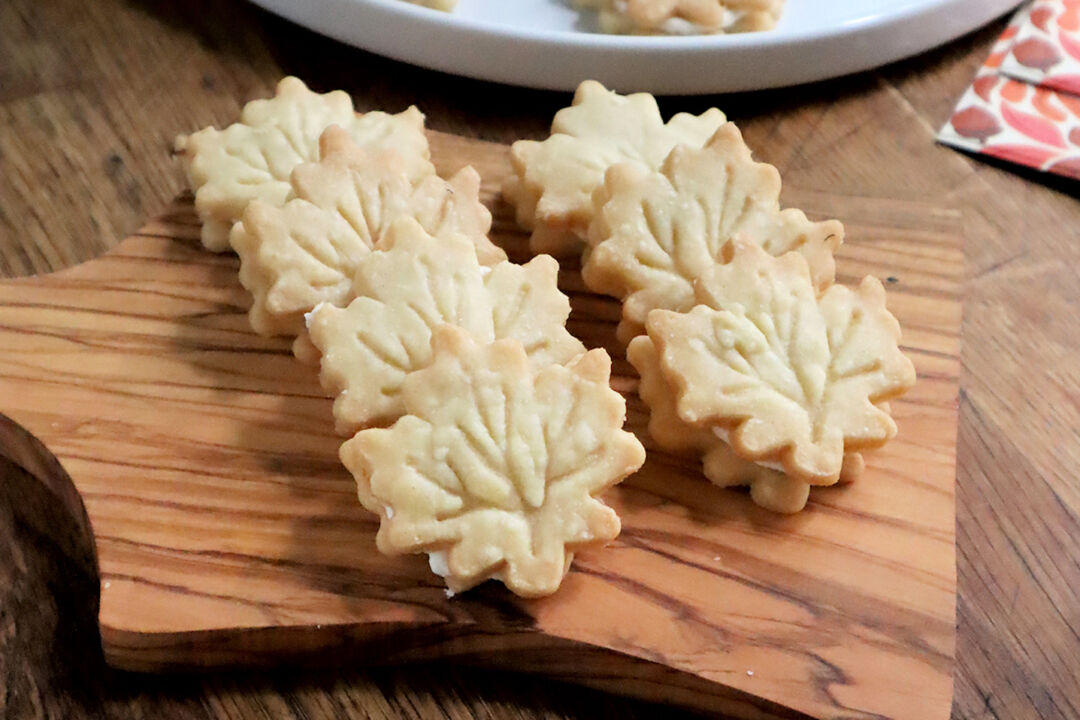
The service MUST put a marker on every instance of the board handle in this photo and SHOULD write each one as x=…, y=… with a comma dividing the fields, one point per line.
x=22, y=451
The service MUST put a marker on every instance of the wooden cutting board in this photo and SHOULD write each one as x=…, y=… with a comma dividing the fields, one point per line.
x=227, y=533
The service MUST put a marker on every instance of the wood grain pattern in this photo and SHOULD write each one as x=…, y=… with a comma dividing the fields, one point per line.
x=91, y=95
x=228, y=533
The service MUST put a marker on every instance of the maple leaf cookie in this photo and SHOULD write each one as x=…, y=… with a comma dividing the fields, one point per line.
x=252, y=159
x=655, y=232
x=444, y=5
x=552, y=181
x=786, y=375
x=496, y=469
x=408, y=287
x=769, y=486
x=685, y=17
x=305, y=252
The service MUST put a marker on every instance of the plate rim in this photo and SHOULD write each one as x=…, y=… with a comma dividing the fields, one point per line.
x=677, y=65
x=909, y=10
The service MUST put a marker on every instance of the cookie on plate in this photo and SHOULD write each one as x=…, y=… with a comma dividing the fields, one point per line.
x=685, y=17
x=444, y=5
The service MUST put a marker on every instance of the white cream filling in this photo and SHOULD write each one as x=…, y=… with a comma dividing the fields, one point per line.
x=308, y=315
x=438, y=563
x=724, y=435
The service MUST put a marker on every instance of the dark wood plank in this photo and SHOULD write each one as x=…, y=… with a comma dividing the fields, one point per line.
x=1018, y=511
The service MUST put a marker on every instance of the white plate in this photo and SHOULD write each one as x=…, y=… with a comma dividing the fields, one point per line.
x=546, y=44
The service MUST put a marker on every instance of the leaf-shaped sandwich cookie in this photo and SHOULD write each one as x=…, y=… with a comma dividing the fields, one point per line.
x=655, y=232
x=408, y=287
x=444, y=5
x=769, y=486
x=553, y=180
x=788, y=376
x=252, y=159
x=685, y=16
x=496, y=469
x=304, y=253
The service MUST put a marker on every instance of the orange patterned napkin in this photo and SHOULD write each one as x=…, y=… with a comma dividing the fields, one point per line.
x=1046, y=49
x=1023, y=123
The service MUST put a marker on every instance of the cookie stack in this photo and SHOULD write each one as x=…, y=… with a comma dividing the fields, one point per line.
x=482, y=432
x=749, y=355
x=253, y=158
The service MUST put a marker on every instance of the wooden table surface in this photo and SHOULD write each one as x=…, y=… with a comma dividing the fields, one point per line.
x=91, y=95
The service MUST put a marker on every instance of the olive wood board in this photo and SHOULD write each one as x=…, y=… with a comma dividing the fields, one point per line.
x=227, y=532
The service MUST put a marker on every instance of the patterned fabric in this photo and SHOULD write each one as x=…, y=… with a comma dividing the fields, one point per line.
x=1029, y=124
